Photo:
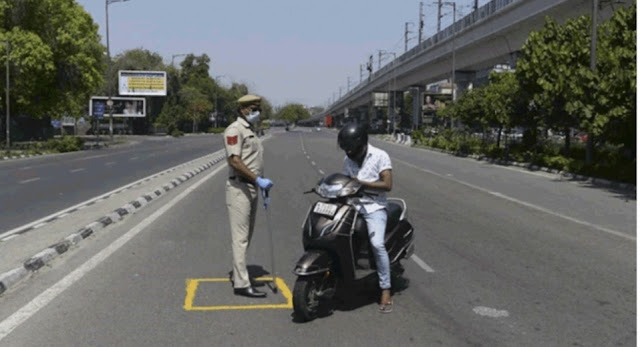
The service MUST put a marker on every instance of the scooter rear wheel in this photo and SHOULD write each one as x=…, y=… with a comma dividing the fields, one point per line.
x=307, y=295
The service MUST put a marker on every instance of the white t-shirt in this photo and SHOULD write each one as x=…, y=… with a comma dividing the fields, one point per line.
x=375, y=161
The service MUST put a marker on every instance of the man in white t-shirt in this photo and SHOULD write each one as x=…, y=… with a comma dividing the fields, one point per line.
x=371, y=166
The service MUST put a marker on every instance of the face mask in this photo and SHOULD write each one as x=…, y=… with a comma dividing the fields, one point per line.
x=253, y=117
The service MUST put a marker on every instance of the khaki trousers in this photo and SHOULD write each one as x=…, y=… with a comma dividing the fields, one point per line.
x=242, y=204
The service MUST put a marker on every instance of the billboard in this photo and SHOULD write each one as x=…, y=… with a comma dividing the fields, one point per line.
x=142, y=83
x=122, y=107
x=434, y=101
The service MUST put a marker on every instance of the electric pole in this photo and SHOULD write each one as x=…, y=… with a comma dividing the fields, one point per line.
x=421, y=25
x=439, y=14
x=406, y=35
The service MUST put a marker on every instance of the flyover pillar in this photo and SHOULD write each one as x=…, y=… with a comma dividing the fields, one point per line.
x=416, y=112
x=395, y=100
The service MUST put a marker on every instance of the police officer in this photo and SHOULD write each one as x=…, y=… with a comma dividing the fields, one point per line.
x=244, y=156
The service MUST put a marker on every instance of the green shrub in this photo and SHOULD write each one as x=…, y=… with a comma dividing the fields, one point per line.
x=177, y=133
x=557, y=162
x=213, y=130
x=418, y=137
x=65, y=144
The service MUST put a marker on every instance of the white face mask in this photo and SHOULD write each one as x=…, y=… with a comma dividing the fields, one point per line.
x=253, y=117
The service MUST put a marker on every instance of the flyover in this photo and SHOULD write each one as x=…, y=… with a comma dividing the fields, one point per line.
x=491, y=35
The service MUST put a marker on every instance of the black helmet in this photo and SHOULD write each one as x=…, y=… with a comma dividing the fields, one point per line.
x=352, y=138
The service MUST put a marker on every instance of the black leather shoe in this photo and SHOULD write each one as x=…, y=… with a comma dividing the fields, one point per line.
x=249, y=292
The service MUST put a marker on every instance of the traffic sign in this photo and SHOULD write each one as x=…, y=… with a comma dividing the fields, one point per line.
x=98, y=109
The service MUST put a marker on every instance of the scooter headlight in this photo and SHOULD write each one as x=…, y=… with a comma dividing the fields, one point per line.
x=329, y=191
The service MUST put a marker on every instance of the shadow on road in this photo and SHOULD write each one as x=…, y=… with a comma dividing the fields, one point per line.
x=365, y=292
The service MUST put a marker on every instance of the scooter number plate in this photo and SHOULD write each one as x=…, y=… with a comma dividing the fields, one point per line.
x=325, y=209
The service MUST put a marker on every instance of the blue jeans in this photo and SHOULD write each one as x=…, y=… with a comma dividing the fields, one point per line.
x=376, y=224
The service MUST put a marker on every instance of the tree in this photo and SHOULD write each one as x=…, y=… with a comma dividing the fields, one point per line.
x=196, y=104
x=499, y=100
x=56, y=57
x=614, y=102
x=470, y=109
x=293, y=113
x=549, y=58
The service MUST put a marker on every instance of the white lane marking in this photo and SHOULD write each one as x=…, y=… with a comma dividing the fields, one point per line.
x=93, y=157
x=42, y=300
x=30, y=180
x=490, y=312
x=77, y=170
x=110, y=163
x=321, y=172
x=133, y=158
x=532, y=206
x=421, y=263
x=527, y=171
x=26, y=168
x=313, y=163
x=101, y=197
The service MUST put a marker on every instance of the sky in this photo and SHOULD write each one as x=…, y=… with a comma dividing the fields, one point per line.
x=288, y=51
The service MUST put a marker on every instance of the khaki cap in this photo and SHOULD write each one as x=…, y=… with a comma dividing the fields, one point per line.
x=249, y=99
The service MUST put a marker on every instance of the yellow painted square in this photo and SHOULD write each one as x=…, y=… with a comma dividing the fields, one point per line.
x=192, y=288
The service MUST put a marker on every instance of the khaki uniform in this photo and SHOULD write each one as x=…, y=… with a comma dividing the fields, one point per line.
x=242, y=195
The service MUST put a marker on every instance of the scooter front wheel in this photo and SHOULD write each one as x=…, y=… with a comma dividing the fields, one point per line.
x=308, y=293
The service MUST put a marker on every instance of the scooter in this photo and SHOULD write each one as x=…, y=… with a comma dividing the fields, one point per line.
x=336, y=243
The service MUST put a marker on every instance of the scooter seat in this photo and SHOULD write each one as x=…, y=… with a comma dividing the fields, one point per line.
x=394, y=211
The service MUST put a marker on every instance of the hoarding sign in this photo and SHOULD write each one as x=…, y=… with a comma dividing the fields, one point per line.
x=143, y=83
x=68, y=121
x=122, y=107
x=434, y=101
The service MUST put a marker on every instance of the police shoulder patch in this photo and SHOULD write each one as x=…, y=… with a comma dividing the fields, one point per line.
x=232, y=140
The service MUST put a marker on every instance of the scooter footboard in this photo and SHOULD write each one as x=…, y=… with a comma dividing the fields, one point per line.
x=313, y=262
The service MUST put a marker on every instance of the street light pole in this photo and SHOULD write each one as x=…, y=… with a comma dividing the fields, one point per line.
x=7, y=97
x=453, y=56
x=215, y=78
x=173, y=56
x=109, y=91
x=381, y=54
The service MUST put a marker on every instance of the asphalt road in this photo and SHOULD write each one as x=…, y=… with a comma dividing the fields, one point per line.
x=503, y=257
x=33, y=188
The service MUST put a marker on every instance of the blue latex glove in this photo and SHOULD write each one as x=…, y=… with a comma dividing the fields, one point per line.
x=264, y=183
x=266, y=198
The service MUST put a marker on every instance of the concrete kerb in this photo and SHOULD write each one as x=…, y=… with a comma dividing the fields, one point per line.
x=10, y=278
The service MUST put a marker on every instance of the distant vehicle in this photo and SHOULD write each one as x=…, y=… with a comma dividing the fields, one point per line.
x=278, y=123
x=317, y=128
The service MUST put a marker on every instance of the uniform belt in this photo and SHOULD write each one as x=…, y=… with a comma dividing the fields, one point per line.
x=241, y=179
